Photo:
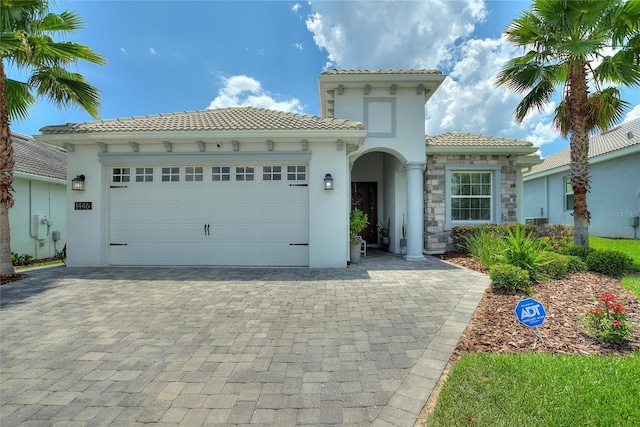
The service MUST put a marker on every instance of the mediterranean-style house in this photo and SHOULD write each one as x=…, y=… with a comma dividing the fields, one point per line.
x=614, y=196
x=256, y=187
x=38, y=219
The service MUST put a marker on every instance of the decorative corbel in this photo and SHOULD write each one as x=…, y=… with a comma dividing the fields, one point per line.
x=351, y=148
x=393, y=89
x=305, y=145
x=236, y=145
x=269, y=145
x=420, y=89
x=340, y=89
x=367, y=89
x=103, y=147
x=201, y=145
x=167, y=146
x=339, y=144
x=135, y=147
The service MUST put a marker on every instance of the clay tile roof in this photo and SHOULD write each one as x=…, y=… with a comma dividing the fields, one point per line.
x=225, y=119
x=625, y=135
x=456, y=139
x=354, y=72
x=38, y=158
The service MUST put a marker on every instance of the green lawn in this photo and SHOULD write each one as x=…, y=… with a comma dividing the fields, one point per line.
x=538, y=389
x=629, y=247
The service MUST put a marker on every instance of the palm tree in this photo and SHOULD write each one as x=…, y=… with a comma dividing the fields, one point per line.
x=589, y=48
x=27, y=29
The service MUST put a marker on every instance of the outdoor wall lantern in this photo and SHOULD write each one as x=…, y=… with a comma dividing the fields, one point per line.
x=77, y=183
x=328, y=182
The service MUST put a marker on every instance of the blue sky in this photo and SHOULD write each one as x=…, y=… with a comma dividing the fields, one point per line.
x=170, y=56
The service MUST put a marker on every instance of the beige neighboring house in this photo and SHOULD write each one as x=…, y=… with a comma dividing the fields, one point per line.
x=472, y=179
x=38, y=218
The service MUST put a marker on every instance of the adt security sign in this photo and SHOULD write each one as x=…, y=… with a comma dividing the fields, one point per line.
x=530, y=312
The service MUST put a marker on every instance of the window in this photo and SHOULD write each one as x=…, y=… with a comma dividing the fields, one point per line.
x=470, y=196
x=272, y=173
x=221, y=173
x=121, y=175
x=144, y=174
x=171, y=174
x=193, y=173
x=296, y=173
x=244, y=173
x=568, y=194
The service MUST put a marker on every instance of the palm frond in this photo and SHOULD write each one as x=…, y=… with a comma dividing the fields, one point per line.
x=65, y=89
x=621, y=68
x=605, y=108
x=19, y=99
x=61, y=22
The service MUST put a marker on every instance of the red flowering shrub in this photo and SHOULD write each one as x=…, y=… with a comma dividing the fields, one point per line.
x=607, y=322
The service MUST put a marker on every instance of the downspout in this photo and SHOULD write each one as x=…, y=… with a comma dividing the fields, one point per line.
x=31, y=224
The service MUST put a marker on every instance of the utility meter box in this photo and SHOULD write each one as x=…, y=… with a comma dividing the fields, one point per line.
x=55, y=235
x=634, y=221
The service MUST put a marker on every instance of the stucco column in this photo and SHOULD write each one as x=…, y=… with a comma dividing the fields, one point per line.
x=415, y=211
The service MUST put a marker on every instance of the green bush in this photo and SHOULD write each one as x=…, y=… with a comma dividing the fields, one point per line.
x=485, y=246
x=24, y=259
x=575, y=264
x=510, y=278
x=581, y=252
x=526, y=251
x=461, y=235
x=555, y=265
x=559, y=236
x=611, y=263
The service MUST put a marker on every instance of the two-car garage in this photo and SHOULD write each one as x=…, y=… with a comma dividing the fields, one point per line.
x=209, y=214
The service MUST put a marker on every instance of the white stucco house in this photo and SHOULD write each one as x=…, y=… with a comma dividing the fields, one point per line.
x=614, y=197
x=38, y=219
x=247, y=186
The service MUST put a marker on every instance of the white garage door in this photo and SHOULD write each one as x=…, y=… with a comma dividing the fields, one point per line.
x=240, y=214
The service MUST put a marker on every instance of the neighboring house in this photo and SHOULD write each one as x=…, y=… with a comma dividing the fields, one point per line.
x=614, y=196
x=38, y=219
x=247, y=186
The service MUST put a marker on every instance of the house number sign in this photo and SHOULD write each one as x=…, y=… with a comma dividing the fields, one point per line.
x=83, y=206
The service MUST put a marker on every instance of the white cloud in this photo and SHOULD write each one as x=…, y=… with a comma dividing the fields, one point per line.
x=123, y=50
x=633, y=114
x=244, y=91
x=152, y=51
x=432, y=34
x=298, y=46
x=296, y=7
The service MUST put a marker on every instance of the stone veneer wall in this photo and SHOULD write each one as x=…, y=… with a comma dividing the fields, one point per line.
x=436, y=237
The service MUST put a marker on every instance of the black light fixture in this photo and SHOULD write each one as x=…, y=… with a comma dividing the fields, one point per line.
x=328, y=182
x=77, y=183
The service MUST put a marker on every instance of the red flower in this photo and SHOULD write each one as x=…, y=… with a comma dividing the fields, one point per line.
x=607, y=297
x=617, y=323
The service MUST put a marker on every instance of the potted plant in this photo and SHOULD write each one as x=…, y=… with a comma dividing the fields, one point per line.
x=358, y=221
x=384, y=232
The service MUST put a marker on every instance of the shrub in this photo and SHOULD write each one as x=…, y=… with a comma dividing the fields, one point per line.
x=24, y=259
x=575, y=264
x=581, y=252
x=510, y=278
x=555, y=265
x=485, y=246
x=559, y=236
x=525, y=251
x=608, y=322
x=461, y=235
x=611, y=263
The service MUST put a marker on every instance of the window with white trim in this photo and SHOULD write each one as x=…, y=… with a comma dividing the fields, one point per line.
x=121, y=175
x=221, y=173
x=170, y=174
x=471, y=196
x=272, y=173
x=244, y=173
x=568, y=194
x=144, y=174
x=193, y=173
x=296, y=173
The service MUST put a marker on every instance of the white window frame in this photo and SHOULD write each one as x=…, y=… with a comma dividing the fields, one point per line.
x=173, y=174
x=194, y=173
x=296, y=173
x=121, y=175
x=245, y=173
x=568, y=192
x=144, y=174
x=272, y=173
x=496, y=193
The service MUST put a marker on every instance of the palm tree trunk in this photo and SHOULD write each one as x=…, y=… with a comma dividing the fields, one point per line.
x=579, y=149
x=7, y=162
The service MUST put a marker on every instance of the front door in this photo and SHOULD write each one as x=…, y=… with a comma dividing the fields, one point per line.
x=364, y=196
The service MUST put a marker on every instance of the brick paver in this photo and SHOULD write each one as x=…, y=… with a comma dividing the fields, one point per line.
x=360, y=346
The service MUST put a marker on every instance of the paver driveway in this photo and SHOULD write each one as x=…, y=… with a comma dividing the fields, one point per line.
x=197, y=346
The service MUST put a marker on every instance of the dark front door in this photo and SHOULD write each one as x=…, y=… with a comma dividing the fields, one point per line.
x=364, y=196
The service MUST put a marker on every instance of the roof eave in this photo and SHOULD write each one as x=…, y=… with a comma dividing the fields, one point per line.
x=448, y=149
x=35, y=177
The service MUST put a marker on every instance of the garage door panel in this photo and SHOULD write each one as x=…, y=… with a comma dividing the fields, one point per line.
x=250, y=222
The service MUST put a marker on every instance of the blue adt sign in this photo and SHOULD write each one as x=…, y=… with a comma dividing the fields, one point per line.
x=530, y=312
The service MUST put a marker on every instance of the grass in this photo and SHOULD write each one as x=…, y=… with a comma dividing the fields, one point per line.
x=35, y=264
x=629, y=247
x=632, y=282
x=539, y=389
